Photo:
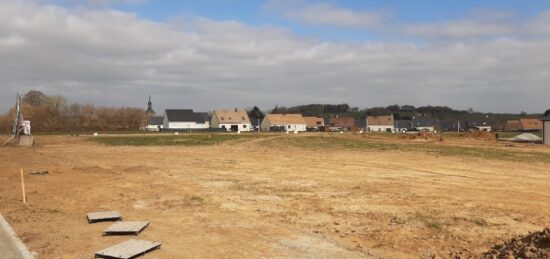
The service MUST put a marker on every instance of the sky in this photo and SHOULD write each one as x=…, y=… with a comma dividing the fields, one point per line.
x=490, y=55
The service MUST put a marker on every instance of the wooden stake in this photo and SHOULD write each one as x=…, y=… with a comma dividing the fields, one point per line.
x=23, y=187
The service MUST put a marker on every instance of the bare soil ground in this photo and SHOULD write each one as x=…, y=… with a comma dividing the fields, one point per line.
x=268, y=197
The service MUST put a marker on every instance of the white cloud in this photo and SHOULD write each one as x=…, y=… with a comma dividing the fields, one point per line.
x=325, y=14
x=114, y=58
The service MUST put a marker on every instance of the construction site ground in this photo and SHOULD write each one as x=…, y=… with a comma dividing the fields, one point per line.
x=319, y=195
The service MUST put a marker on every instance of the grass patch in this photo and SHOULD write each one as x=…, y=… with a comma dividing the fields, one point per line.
x=435, y=225
x=481, y=222
x=366, y=143
x=171, y=140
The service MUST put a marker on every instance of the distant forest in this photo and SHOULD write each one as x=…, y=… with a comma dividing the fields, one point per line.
x=56, y=114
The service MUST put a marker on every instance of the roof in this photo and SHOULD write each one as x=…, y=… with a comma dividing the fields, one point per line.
x=424, y=122
x=285, y=119
x=530, y=124
x=231, y=116
x=345, y=122
x=448, y=125
x=380, y=120
x=403, y=124
x=511, y=125
x=546, y=119
x=314, y=122
x=186, y=115
x=156, y=120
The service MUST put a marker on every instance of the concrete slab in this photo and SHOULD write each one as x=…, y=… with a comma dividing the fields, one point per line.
x=128, y=249
x=126, y=228
x=103, y=216
x=10, y=246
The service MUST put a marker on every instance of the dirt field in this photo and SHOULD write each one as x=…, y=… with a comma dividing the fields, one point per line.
x=279, y=196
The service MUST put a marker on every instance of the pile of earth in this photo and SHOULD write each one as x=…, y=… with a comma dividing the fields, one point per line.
x=533, y=245
x=423, y=136
x=479, y=135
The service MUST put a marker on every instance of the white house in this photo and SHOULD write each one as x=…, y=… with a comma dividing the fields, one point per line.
x=424, y=124
x=480, y=125
x=231, y=120
x=185, y=119
x=381, y=123
x=284, y=122
x=155, y=123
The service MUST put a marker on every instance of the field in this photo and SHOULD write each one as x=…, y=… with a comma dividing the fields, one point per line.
x=306, y=195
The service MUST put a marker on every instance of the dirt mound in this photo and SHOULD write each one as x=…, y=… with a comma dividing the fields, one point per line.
x=423, y=136
x=479, y=135
x=533, y=245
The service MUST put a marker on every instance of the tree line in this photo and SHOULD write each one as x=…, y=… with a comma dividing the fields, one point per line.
x=56, y=114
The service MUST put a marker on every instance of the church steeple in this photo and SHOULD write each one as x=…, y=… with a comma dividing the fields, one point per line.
x=150, y=110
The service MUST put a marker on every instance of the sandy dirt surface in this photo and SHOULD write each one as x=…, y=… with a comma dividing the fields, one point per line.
x=250, y=200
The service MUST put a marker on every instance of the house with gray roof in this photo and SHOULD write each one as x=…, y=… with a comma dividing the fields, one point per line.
x=179, y=119
x=424, y=124
x=155, y=123
x=480, y=125
x=403, y=125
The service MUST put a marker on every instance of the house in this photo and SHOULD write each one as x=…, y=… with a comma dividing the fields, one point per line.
x=511, y=125
x=381, y=123
x=361, y=123
x=284, y=122
x=176, y=119
x=424, y=124
x=480, y=125
x=231, y=120
x=403, y=125
x=155, y=123
x=546, y=131
x=448, y=125
x=530, y=124
x=314, y=123
x=345, y=123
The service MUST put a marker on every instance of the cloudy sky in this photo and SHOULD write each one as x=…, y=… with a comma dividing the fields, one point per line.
x=492, y=56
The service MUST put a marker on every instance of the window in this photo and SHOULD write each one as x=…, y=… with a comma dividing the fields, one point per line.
x=244, y=126
x=289, y=126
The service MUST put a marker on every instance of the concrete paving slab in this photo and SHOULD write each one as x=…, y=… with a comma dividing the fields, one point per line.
x=128, y=249
x=10, y=245
x=126, y=228
x=103, y=216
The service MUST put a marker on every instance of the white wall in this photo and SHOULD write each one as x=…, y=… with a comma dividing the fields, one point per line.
x=296, y=127
x=242, y=126
x=187, y=125
x=488, y=128
x=430, y=129
x=380, y=128
x=265, y=126
x=153, y=127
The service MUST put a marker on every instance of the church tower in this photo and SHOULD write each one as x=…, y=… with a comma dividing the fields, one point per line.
x=150, y=112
